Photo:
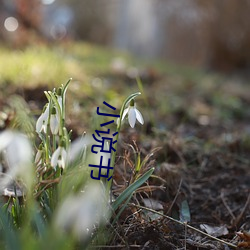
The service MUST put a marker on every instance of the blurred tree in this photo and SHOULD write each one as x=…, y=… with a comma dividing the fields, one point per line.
x=25, y=21
x=229, y=34
x=92, y=20
x=29, y=14
x=211, y=33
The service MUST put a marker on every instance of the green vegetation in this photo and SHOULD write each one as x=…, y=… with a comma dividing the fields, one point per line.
x=195, y=128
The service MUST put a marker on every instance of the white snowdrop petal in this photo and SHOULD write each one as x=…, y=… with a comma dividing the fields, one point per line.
x=139, y=116
x=132, y=117
x=63, y=158
x=79, y=147
x=59, y=99
x=78, y=214
x=18, y=155
x=44, y=127
x=5, y=138
x=38, y=156
x=124, y=113
x=64, y=154
x=46, y=113
x=61, y=163
x=54, y=124
x=55, y=156
x=19, y=151
x=39, y=123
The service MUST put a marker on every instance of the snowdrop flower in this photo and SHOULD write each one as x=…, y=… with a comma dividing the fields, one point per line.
x=59, y=157
x=42, y=122
x=17, y=152
x=133, y=114
x=39, y=154
x=54, y=121
x=80, y=149
x=59, y=97
x=79, y=214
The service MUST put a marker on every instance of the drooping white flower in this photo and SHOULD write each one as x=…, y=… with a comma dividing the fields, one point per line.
x=79, y=214
x=79, y=152
x=17, y=152
x=39, y=155
x=133, y=114
x=42, y=122
x=59, y=97
x=59, y=157
x=54, y=121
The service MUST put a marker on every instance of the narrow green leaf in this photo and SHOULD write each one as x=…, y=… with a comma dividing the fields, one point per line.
x=39, y=222
x=10, y=236
x=122, y=209
x=65, y=87
x=128, y=191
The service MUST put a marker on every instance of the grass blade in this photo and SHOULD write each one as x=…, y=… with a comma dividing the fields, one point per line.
x=128, y=191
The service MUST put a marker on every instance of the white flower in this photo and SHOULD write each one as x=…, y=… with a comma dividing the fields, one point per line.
x=17, y=152
x=59, y=96
x=42, y=122
x=39, y=155
x=59, y=99
x=133, y=114
x=59, y=157
x=79, y=214
x=54, y=121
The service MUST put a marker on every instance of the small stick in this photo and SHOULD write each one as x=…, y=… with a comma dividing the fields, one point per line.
x=239, y=217
x=175, y=198
x=184, y=224
x=117, y=246
x=227, y=207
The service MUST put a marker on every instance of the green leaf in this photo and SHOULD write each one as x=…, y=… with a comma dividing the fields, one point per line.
x=122, y=209
x=185, y=212
x=128, y=191
x=10, y=236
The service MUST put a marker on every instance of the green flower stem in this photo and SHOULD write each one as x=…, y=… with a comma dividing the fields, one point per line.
x=54, y=142
x=65, y=87
x=109, y=183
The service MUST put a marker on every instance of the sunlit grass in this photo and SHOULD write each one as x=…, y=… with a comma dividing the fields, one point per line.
x=37, y=65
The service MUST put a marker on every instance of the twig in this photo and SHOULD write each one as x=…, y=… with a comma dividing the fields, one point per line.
x=185, y=242
x=227, y=207
x=175, y=198
x=239, y=217
x=184, y=224
x=117, y=246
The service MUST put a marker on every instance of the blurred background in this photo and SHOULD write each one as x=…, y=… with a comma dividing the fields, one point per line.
x=193, y=60
x=211, y=34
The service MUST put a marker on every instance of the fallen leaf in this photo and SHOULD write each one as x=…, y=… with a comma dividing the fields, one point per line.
x=155, y=205
x=215, y=231
x=152, y=204
x=245, y=236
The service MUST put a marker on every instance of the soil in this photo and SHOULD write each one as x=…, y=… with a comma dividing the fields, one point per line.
x=202, y=168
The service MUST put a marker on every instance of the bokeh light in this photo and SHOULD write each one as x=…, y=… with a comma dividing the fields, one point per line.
x=11, y=24
x=48, y=2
